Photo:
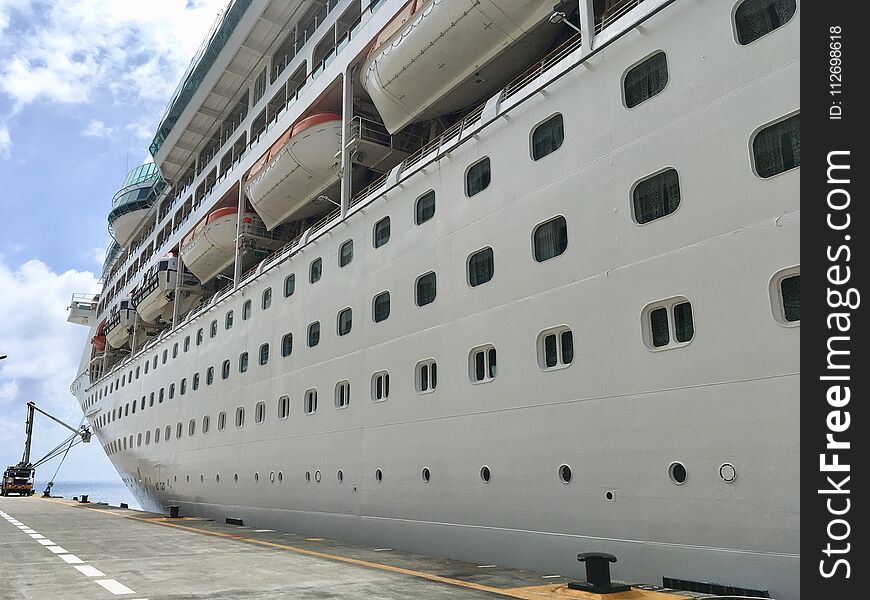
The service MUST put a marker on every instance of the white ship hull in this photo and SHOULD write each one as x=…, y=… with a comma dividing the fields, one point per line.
x=618, y=415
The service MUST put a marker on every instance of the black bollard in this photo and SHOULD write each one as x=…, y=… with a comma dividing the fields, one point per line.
x=173, y=511
x=598, y=574
x=84, y=499
x=124, y=505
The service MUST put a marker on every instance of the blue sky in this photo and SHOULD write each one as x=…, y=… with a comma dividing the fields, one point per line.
x=83, y=84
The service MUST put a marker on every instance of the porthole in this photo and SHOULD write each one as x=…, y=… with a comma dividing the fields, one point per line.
x=280, y=477
x=565, y=474
x=379, y=475
x=727, y=472
x=201, y=478
x=485, y=474
x=272, y=477
x=188, y=479
x=236, y=477
x=307, y=476
x=609, y=496
x=317, y=476
x=340, y=475
x=426, y=474
x=677, y=473
x=256, y=477
x=217, y=478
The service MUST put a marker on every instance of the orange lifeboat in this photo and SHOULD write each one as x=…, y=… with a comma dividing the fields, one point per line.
x=99, y=340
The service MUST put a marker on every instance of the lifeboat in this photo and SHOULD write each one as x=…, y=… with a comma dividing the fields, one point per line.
x=119, y=325
x=154, y=296
x=99, y=339
x=298, y=166
x=211, y=246
x=435, y=57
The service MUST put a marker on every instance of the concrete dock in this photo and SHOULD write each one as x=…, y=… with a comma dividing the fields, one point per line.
x=56, y=548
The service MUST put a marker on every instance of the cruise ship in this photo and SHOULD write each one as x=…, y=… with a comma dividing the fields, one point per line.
x=496, y=280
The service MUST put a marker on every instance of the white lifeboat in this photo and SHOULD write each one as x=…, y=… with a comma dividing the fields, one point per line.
x=211, y=246
x=298, y=166
x=154, y=296
x=438, y=47
x=119, y=325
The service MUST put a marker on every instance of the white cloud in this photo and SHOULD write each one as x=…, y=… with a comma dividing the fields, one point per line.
x=98, y=129
x=5, y=141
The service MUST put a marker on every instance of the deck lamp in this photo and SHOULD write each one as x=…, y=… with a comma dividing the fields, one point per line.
x=560, y=17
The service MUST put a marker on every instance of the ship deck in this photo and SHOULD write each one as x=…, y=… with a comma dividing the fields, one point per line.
x=59, y=548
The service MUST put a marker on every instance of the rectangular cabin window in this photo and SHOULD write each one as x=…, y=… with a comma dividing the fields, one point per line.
x=342, y=394
x=287, y=344
x=645, y=80
x=382, y=232
x=790, y=291
x=478, y=177
x=425, y=207
x=222, y=420
x=380, y=386
x=668, y=324
x=426, y=376
x=267, y=298
x=345, y=253
x=550, y=239
x=246, y=310
x=482, y=364
x=777, y=147
x=548, y=137
x=345, y=321
x=264, y=354
x=260, y=412
x=481, y=267
x=289, y=285
x=381, y=307
x=310, y=404
x=283, y=407
x=425, y=289
x=754, y=19
x=313, y=334
x=656, y=196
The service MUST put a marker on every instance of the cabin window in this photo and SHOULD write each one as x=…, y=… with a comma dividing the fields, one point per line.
x=160, y=396
x=754, y=19
x=381, y=307
x=342, y=394
x=246, y=310
x=212, y=329
x=209, y=376
x=550, y=239
x=380, y=386
x=478, y=177
x=785, y=296
x=222, y=420
x=345, y=253
x=314, y=334
x=154, y=362
x=310, y=404
x=179, y=429
x=243, y=362
x=260, y=412
x=482, y=364
x=137, y=372
x=382, y=232
x=656, y=196
x=480, y=267
x=148, y=437
x=316, y=270
x=191, y=427
x=171, y=391
x=345, y=321
x=225, y=369
x=289, y=285
x=555, y=348
x=776, y=148
x=151, y=399
x=195, y=382
x=186, y=343
x=425, y=289
x=175, y=350
x=426, y=376
x=183, y=387
x=264, y=354
x=283, y=407
x=287, y=344
x=548, y=137
x=267, y=298
x=645, y=80
x=668, y=324
x=425, y=207
x=240, y=416
x=139, y=439
x=206, y=423
x=228, y=320
x=199, y=336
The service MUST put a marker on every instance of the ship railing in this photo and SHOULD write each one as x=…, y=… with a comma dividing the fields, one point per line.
x=541, y=67
x=614, y=13
x=373, y=131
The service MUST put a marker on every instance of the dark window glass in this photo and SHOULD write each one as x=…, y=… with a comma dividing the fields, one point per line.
x=287, y=344
x=645, y=80
x=316, y=270
x=345, y=253
x=183, y=387
x=228, y=321
x=480, y=267
x=199, y=337
x=567, y=347
x=264, y=354
x=246, y=310
x=425, y=209
x=790, y=287
x=656, y=196
x=777, y=147
x=478, y=177
x=548, y=137
x=267, y=298
x=757, y=18
x=195, y=383
x=174, y=354
x=684, y=327
x=381, y=310
x=243, y=362
x=426, y=289
x=658, y=319
x=187, y=343
x=479, y=366
x=345, y=321
x=209, y=375
x=551, y=239
x=213, y=330
x=314, y=334
x=225, y=369
x=551, y=357
x=289, y=285
x=382, y=232
x=492, y=367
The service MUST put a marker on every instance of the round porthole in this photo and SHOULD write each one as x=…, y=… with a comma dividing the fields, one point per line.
x=280, y=477
x=272, y=477
x=307, y=476
x=677, y=473
x=236, y=477
x=727, y=472
x=340, y=475
x=379, y=475
x=485, y=474
x=256, y=477
x=609, y=495
x=565, y=474
x=317, y=476
x=426, y=474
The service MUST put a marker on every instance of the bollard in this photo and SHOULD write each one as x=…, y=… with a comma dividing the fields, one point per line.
x=124, y=505
x=234, y=521
x=173, y=511
x=598, y=574
x=76, y=498
x=84, y=499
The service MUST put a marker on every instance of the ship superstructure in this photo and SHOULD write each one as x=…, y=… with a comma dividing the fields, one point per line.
x=499, y=280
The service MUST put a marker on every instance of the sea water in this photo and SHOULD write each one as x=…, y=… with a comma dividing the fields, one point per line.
x=110, y=492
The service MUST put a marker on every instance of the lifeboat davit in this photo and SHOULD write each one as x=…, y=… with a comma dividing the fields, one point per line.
x=440, y=47
x=154, y=296
x=99, y=339
x=211, y=246
x=119, y=325
x=298, y=166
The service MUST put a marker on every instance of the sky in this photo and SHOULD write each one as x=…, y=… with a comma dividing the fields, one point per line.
x=83, y=84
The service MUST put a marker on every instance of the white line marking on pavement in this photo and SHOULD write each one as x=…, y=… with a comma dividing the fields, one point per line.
x=46, y=542
x=70, y=559
x=29, y=530
x=89, y=571
x=37, y=536
x=114, y=586
x=22, y=526
x=56, y=549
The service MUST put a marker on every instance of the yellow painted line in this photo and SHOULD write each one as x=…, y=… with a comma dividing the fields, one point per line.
x=540, y=592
